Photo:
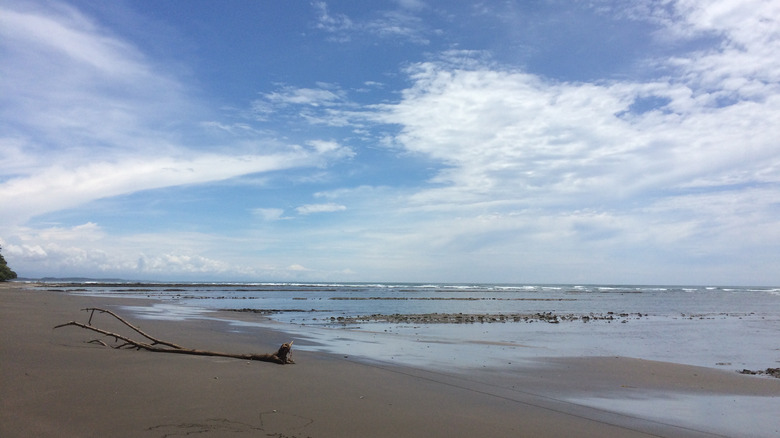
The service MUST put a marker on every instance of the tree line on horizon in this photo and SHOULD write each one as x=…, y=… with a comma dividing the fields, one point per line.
x=5, y=272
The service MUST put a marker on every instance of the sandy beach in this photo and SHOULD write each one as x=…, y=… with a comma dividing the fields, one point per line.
x=55, y=384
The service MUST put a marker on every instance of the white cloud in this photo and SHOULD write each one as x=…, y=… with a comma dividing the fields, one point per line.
x=531, y=179
x=331, y=22
x=321, y=105
x=71, y=34
x=82, y=114
x=320, y=208
x=75, y=87
x=26, y=252
x=269, y=214
x=512, y=135
x=400, y=24
x=509, y=135
x=58, y=249
x=303, y=96
x=748, y=31
x=237, y=129
x=85, y=250
x=331, y=149
x=183, y=264
x=546, y=167
x=55, y=187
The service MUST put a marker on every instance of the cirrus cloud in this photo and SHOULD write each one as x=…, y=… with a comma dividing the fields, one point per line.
x=319, y=208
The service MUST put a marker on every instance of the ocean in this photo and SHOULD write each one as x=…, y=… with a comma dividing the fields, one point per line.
x=493, y=325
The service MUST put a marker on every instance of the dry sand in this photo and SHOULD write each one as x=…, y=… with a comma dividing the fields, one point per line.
x=55, y=384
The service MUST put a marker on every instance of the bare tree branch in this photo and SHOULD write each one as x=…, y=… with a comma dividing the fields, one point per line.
x=154, y=340
x=282, y=356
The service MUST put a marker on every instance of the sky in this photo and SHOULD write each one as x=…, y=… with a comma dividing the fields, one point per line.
x=548, y=141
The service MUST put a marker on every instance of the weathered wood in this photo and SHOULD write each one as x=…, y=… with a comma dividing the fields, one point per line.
x=282, y=356
x=92, y=311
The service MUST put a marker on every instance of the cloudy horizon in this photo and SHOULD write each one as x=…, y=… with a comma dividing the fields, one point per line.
x=406, y=141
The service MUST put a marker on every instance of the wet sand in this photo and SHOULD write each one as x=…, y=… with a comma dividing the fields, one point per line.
x=53, y=383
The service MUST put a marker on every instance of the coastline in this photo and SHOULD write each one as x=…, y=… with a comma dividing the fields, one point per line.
x=55, y=384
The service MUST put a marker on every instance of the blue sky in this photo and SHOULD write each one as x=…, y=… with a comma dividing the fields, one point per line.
x=410, y=140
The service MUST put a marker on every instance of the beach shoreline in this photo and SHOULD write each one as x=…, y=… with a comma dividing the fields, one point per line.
x=55, y=384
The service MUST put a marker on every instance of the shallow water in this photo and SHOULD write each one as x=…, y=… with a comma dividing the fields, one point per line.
x=722, y=415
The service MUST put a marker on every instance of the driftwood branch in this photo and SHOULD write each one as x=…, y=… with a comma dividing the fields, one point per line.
x=155, y=341
x=282, y=356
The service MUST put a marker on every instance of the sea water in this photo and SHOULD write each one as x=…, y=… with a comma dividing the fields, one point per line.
x=713, y=326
